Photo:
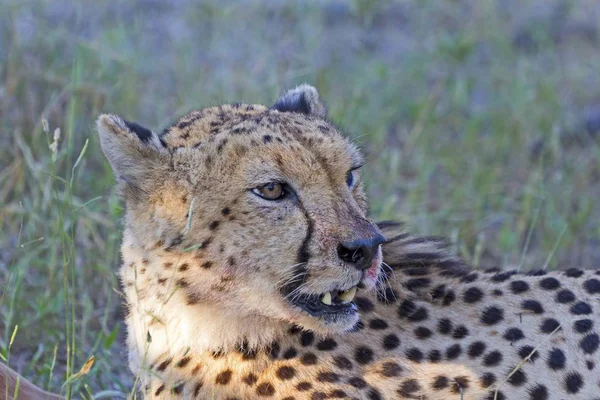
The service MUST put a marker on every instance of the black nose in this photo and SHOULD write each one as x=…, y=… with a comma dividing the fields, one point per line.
x=360, y=252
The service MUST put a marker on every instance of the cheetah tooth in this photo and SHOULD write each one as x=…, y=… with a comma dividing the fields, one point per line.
x=348, y=295
x=326, y=299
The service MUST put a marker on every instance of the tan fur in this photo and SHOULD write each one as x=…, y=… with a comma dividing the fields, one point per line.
x=207, y=264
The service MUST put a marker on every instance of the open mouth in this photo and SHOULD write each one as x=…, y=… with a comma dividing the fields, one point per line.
x=333, y=303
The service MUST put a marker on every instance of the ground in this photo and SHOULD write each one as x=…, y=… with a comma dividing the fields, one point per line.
x=479, y=120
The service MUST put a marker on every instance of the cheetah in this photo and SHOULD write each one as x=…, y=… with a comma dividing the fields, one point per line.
x=251, y=271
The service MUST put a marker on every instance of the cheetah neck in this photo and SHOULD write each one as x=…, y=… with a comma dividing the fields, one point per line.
x=160, y=318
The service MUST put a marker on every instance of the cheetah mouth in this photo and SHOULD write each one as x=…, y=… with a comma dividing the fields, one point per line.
x=334, y=303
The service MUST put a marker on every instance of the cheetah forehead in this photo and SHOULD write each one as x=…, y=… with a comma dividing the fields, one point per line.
x=258, y=124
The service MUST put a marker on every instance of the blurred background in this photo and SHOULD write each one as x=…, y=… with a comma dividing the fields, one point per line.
x=480, y=120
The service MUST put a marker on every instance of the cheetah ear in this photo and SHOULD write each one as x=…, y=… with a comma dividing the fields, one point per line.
x=136, y=154
x=303, y=99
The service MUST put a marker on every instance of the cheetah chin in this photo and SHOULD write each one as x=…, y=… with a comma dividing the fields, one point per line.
x=336, y=306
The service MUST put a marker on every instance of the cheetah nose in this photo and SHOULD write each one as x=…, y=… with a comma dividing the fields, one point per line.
x=360, y=252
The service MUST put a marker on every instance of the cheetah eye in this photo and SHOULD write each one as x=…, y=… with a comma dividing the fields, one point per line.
x=270, y=191
x=351, y=178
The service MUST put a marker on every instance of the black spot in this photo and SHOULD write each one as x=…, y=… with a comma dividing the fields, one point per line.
x=414, y=354
x=590, y=365
x=460, y=384
x=592, y=286
x=583, y=325
x=250, y=379
x=438, y=292
x=525, y=351
x=391, y=369
x=513, y=334
x=536, y=272
x=472, y=295
x=538, y=392
x=409, y=310
x=492, y=358
x=565, y=296
x=378, y=324
x=549, y=283
x=406, y=308
x=417, y=283
x=573, y=273
x=409, y=387
x=223, y=377
x=573, y=382
x=470, y=277
x=289, y=353
x=476, y=349
x=518, y=377
x=492, y=315
x=307, y=338
x=390, y=342
x=336, y=394
x=460, y=332
x=434, y=356
x=357, y=382
x=183, y=362
x=453, y=352
x=519, y=287
x=163, y=365
x=308, y=359
x=549, y=325
x=363, y=355
x=267, y=139
x=533, y=306
x=265, y=389
x=359, y=326
x=444, y=326
x=449, y=298
x=374, y=394
x=487, y=379
x=273, y=349
x=327, y=344
x=304, y=386
x=226, y=211
x=178, y=389
x=502, y=276
x=144, y=134
x=422, y=333
x=589, y=344
x=497, y=292
x=496, y=395
x=365, y=305
x=342, y=362
x=159, y=390
x=581, y=308
x=213, y=225
x=328, y=376
x=285, y=373
x=440, y=383
x=387, y=297
x=556, y=359
x=318, y=396
x=197, y=388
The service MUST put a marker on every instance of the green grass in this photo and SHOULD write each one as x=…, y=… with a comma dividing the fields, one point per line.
x=448, y=100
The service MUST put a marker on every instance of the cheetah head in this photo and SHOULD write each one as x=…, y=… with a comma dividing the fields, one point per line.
x=264, y=205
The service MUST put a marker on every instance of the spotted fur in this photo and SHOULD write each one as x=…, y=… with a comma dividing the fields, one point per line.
x=208, y=271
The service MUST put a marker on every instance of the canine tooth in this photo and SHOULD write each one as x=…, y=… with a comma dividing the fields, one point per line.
x=348, y=295
x=326, y=299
